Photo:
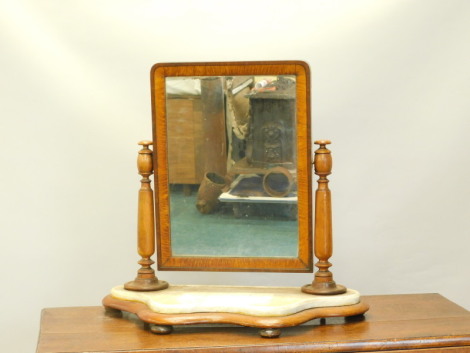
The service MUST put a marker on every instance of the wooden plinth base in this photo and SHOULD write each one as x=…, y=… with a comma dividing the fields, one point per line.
x=324, y=288
x=146, y=285
x=269, y=325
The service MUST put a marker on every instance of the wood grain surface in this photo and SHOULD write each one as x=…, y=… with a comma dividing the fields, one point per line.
x=426, y=323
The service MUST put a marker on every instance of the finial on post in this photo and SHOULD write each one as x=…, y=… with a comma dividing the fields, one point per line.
x=146, y=279
x=323, y=283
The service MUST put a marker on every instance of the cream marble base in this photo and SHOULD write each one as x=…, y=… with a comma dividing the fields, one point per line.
x=254, y=301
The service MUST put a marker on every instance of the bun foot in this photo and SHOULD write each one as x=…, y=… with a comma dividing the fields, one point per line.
x=270, y=332
x=112, y=312
x=161, y=329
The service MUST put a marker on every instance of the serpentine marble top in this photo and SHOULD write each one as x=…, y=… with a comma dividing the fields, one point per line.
x=257, y=301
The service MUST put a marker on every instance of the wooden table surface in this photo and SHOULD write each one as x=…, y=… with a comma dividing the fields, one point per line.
x=425, y=323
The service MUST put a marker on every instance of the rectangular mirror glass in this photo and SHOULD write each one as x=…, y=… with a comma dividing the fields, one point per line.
x=233, y=180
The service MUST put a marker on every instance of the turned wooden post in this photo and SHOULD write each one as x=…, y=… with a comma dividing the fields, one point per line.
x=146, y=279
x=323, y=239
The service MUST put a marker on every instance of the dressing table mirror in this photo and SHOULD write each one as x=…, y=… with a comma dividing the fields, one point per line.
x=232, y=165
x=234, y=195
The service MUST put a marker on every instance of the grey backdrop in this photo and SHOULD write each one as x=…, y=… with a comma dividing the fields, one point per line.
x=390, y=88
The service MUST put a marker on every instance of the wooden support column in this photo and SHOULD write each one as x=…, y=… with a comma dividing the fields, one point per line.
x=323, y=282
x=146, y=279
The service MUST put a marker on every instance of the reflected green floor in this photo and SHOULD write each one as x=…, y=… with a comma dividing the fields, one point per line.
x=258, y=233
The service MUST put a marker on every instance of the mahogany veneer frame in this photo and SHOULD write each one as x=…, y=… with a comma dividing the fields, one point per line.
x=166, y=260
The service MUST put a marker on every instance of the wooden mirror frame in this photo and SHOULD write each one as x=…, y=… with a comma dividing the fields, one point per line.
x=165, y=259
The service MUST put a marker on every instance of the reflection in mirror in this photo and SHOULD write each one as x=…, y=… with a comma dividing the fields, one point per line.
x=232, y=166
